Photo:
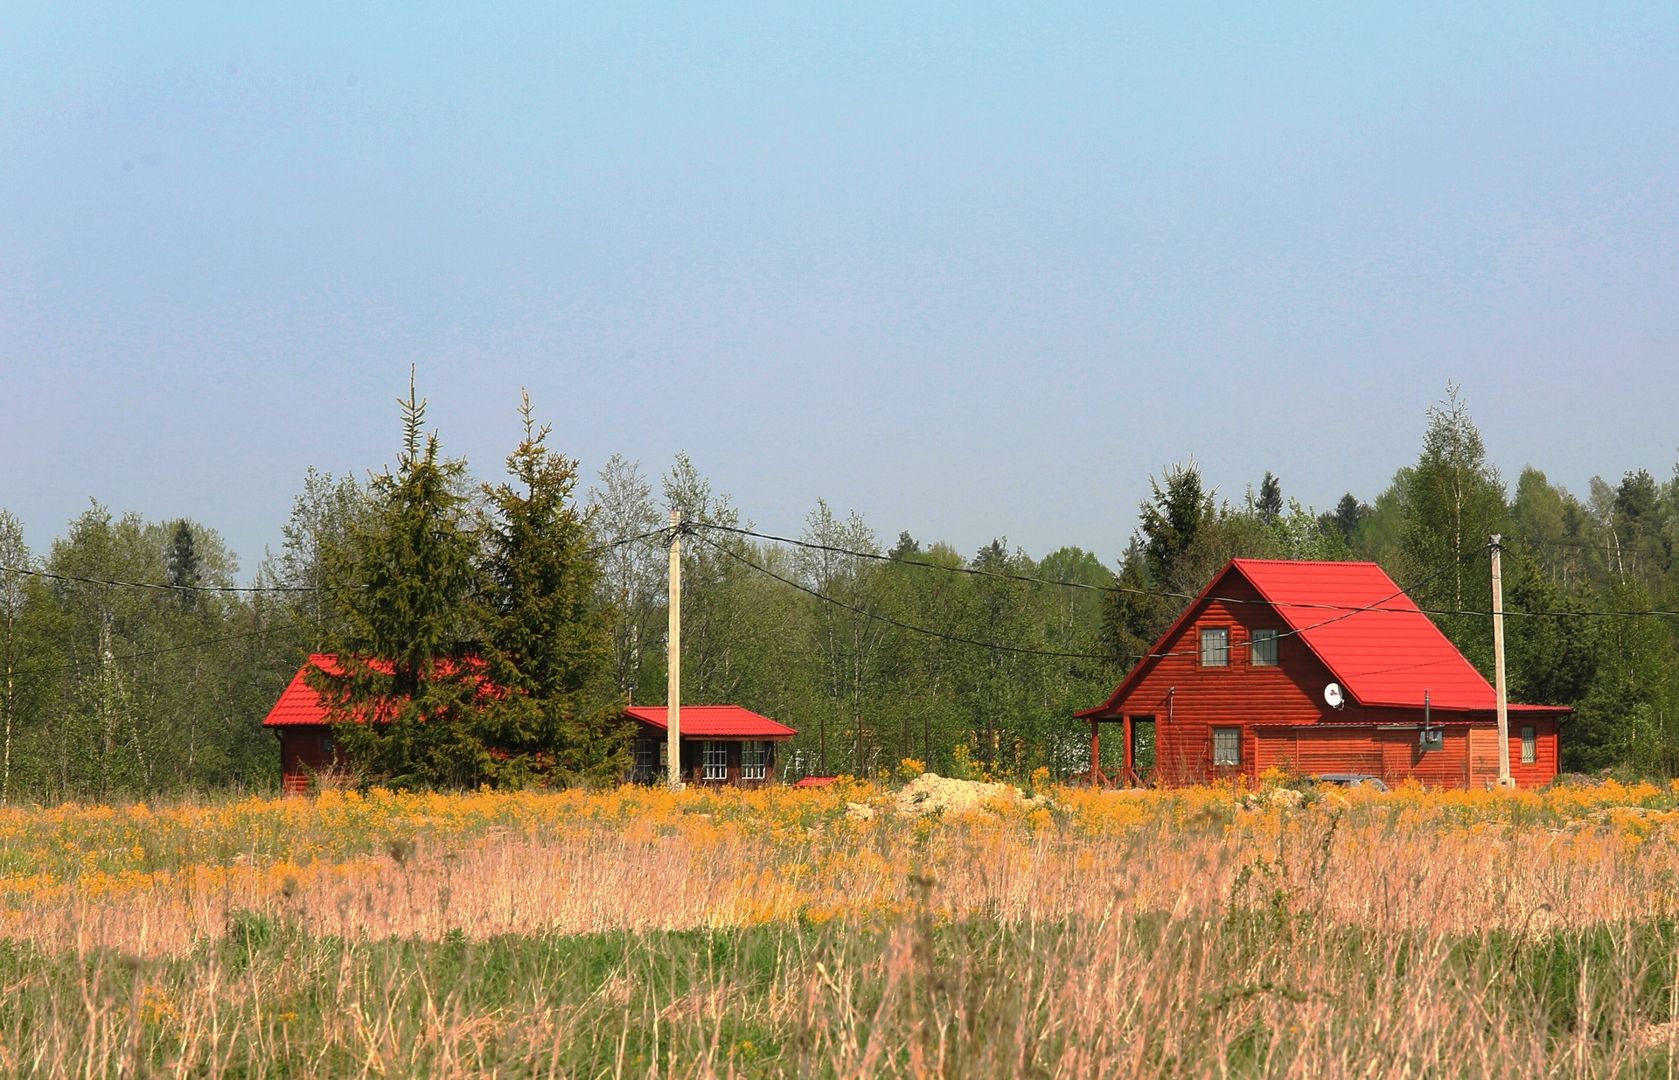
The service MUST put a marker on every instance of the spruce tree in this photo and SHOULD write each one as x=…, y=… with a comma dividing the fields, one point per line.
x=548, y=639
x=407, y=656
x=1270, y=508
x=182, y=565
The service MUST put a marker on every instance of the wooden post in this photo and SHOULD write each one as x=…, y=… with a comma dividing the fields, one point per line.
x=1505, y=780
x=1095, y=755
x=673, y=658
x=1130, y=752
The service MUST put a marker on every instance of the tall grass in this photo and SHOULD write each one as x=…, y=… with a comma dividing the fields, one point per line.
x=1191, y=934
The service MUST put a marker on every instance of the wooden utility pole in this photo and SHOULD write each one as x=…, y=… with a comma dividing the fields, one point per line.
x=1504, y=778
x=673, y=658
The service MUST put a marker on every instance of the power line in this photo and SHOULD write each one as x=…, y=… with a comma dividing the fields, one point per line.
x=663, y=531
x=972, y=571
x=1029, y=579
x=1372, y=607
x=143, y=653
x=155, y=586
x=899, y=623
x=1023, y=650
x=163, y=587
x=1167, y=594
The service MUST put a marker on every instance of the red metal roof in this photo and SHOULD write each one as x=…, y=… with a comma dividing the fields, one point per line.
x=300, y=705
x=1380, y=646
x=715, y=722
x=1375, y=641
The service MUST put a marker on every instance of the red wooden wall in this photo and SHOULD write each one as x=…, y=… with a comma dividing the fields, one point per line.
x=304, y=750
x=1285, y=720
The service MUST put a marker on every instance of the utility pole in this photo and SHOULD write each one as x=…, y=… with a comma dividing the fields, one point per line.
x=1504, y=778
x=673, y=658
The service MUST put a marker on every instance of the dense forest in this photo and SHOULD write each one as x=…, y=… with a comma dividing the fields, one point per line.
x=135, y=663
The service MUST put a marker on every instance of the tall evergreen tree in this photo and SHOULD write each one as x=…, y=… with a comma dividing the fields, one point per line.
x=1172, y=518
x=548, y=639
x=1349, y=514
x=408, y=652
x=182, y=565
x=1270, y=505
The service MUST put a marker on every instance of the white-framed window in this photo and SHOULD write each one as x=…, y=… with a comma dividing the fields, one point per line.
x=1227, y=746
x=714, y=759
x=1215, y=647
x=1264, y=648
x=1530, y=745
x=754, y=760
x=646, y=758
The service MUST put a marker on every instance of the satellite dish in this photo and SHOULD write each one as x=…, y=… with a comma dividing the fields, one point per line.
x=1332, y=695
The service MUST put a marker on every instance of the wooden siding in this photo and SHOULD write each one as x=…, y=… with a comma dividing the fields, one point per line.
x=693, y=763
x=1285, y=721
x=304, y=751
x=1187, y=700
x=1547, y=745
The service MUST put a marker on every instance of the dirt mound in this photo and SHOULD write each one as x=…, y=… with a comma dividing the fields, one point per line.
x=931, y=793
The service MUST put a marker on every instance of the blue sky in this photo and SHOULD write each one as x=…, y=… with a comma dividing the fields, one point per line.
x=970, y=270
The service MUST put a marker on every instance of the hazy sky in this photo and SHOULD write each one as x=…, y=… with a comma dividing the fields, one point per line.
x=972, y=271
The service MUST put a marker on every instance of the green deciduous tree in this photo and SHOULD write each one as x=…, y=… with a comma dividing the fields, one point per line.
x=632, y=574
x=13, y=553
x=1451, y=502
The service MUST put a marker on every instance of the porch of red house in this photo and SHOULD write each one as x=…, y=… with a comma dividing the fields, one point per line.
x=1125, y=773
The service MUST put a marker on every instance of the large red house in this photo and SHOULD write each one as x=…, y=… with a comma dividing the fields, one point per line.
x=721, y=744
x=1320, y=667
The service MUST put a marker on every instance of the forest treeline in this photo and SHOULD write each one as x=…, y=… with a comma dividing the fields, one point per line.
x=135, y=663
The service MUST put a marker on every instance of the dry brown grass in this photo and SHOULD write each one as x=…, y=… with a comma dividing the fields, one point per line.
x=1113, y=936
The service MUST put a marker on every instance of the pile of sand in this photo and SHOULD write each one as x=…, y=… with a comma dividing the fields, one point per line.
x=931, y=793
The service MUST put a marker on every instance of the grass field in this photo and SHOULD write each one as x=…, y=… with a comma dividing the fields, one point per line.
x=1201, y=933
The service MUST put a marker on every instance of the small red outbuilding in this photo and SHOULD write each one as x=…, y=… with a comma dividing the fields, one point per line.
x=721, y=744
x=1321, y=667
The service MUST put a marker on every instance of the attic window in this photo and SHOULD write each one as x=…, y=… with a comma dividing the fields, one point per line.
x=1264, y=648
x=1215, y=647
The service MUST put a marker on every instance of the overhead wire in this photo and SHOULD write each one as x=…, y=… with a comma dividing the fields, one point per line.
x=1345, y=613
x=157, y=586
x=899, y=623
x=73, y=665
x=1163, y=594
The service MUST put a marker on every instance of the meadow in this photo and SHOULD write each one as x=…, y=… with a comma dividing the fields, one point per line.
x=1203, y=932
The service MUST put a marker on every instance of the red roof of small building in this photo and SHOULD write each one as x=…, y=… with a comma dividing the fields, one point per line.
x=715, y=722
x=1375, y=641
x=301, y=706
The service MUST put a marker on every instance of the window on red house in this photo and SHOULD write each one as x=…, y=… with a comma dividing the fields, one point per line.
x=1215, y=647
